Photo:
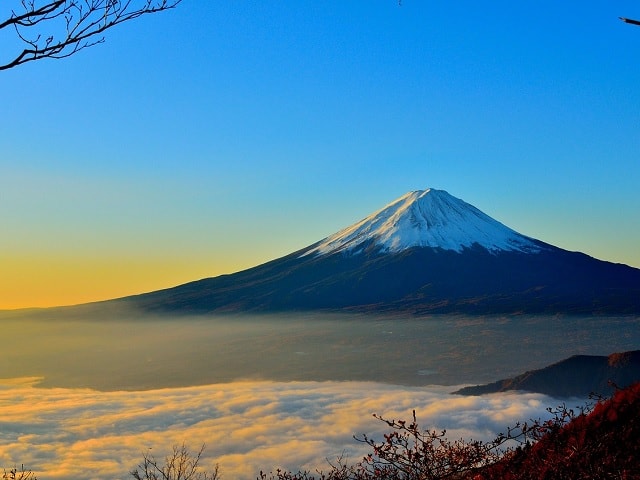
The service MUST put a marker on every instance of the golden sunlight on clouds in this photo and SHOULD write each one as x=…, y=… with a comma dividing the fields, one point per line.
x=247, y=426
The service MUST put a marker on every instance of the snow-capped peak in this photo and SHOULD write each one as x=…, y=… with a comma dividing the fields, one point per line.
x=426, y=218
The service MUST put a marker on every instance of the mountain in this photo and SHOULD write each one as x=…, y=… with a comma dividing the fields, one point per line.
x=426, y=252
x=428, y=219
x=576, y=376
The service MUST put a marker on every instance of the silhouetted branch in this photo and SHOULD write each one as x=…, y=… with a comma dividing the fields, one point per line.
x=630, y=20
x=181, y=464
x=15, y=474
x=58, y=29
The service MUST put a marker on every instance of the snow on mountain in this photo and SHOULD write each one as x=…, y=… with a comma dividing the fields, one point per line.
x=426, y=218
x=432, y=278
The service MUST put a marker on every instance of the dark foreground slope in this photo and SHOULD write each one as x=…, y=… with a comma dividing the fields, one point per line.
x=593, y=442
x=601, y=445
x=417, y=280
x=577, y=376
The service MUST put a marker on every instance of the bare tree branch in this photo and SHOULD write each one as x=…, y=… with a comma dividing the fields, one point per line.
x=181, y=464
x=60, y=28
x=15, y=474
x=630, y=20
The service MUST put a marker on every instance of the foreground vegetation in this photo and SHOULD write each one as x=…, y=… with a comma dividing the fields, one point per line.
x=598, y=441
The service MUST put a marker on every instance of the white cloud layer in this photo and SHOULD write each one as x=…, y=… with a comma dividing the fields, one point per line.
x=247, y=426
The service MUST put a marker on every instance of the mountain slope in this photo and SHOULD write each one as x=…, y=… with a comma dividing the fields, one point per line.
x=602, y=444
x=427, y=252
x=578, y=376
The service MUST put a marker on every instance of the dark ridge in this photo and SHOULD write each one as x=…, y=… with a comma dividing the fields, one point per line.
x=416, y=281
x=600, y=445
x=577, y=376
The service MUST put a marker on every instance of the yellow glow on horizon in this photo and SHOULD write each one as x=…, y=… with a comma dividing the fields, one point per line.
x=39, y=281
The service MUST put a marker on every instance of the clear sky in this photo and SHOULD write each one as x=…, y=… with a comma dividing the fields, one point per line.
x=224, y=134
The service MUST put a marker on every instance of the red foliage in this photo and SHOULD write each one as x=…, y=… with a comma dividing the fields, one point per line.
x=599, y=443
x=602, y=444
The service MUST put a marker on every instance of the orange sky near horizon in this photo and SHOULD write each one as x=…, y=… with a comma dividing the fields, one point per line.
x=54, y=281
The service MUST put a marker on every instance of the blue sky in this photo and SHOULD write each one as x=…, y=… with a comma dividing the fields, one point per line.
x=223, y=134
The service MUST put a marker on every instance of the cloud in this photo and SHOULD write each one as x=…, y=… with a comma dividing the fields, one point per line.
x=64, y=433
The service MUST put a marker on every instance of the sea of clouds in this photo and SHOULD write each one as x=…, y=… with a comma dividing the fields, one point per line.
x=90, y=396
x=70, y=433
